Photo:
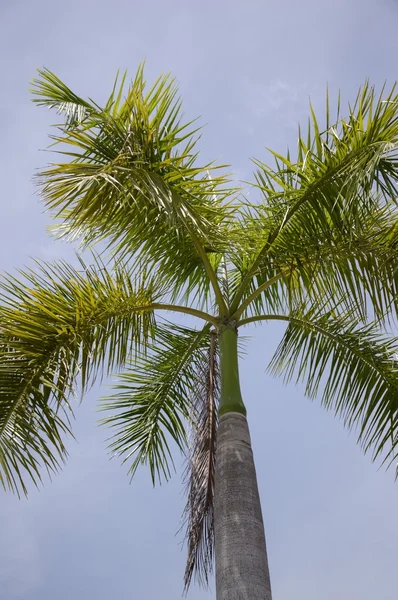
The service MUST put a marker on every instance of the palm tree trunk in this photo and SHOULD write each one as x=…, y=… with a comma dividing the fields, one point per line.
x=241, y=557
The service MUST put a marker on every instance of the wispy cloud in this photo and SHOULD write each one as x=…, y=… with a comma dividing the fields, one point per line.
x=284, y=102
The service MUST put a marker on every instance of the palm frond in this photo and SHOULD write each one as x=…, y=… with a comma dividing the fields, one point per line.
x=32, y=425
x=343, y=178
x=48, y=90
x=358, y=268
x=133, y=178
x=59, y=325
x=356, y=365
x=151, y=402
x=200, y=471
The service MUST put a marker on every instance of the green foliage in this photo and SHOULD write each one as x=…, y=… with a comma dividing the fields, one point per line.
x=132, y=177
x=59, y=324
x=326, y=221
x=318, y=251
x=153, y=399
x=356, y=366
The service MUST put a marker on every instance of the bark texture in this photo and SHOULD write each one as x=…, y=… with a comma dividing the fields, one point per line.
x=241, y=556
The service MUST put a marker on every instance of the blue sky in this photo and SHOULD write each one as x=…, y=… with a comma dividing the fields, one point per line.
x=247, y=67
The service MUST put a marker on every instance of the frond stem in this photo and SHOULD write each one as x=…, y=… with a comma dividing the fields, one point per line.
x=181, y=309
x=240, y=309
x=211, y=275
x=264, y=318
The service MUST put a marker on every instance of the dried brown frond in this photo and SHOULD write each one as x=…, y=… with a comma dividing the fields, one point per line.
x=200, y=470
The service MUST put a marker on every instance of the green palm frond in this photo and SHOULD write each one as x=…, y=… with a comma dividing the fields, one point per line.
x=152, y=401
x=32, y=425
x=343, y=181
x=355, y=366
x=133, y=178
x=58, y=325
x=359, y=271
x=200, y=471
x=51, y=92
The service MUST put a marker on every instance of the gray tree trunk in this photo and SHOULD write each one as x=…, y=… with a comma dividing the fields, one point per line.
x=241, y=556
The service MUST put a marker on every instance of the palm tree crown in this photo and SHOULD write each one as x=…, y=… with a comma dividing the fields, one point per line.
x=317, y=251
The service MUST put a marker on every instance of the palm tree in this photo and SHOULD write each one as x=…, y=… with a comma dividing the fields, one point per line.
x=318, y=251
